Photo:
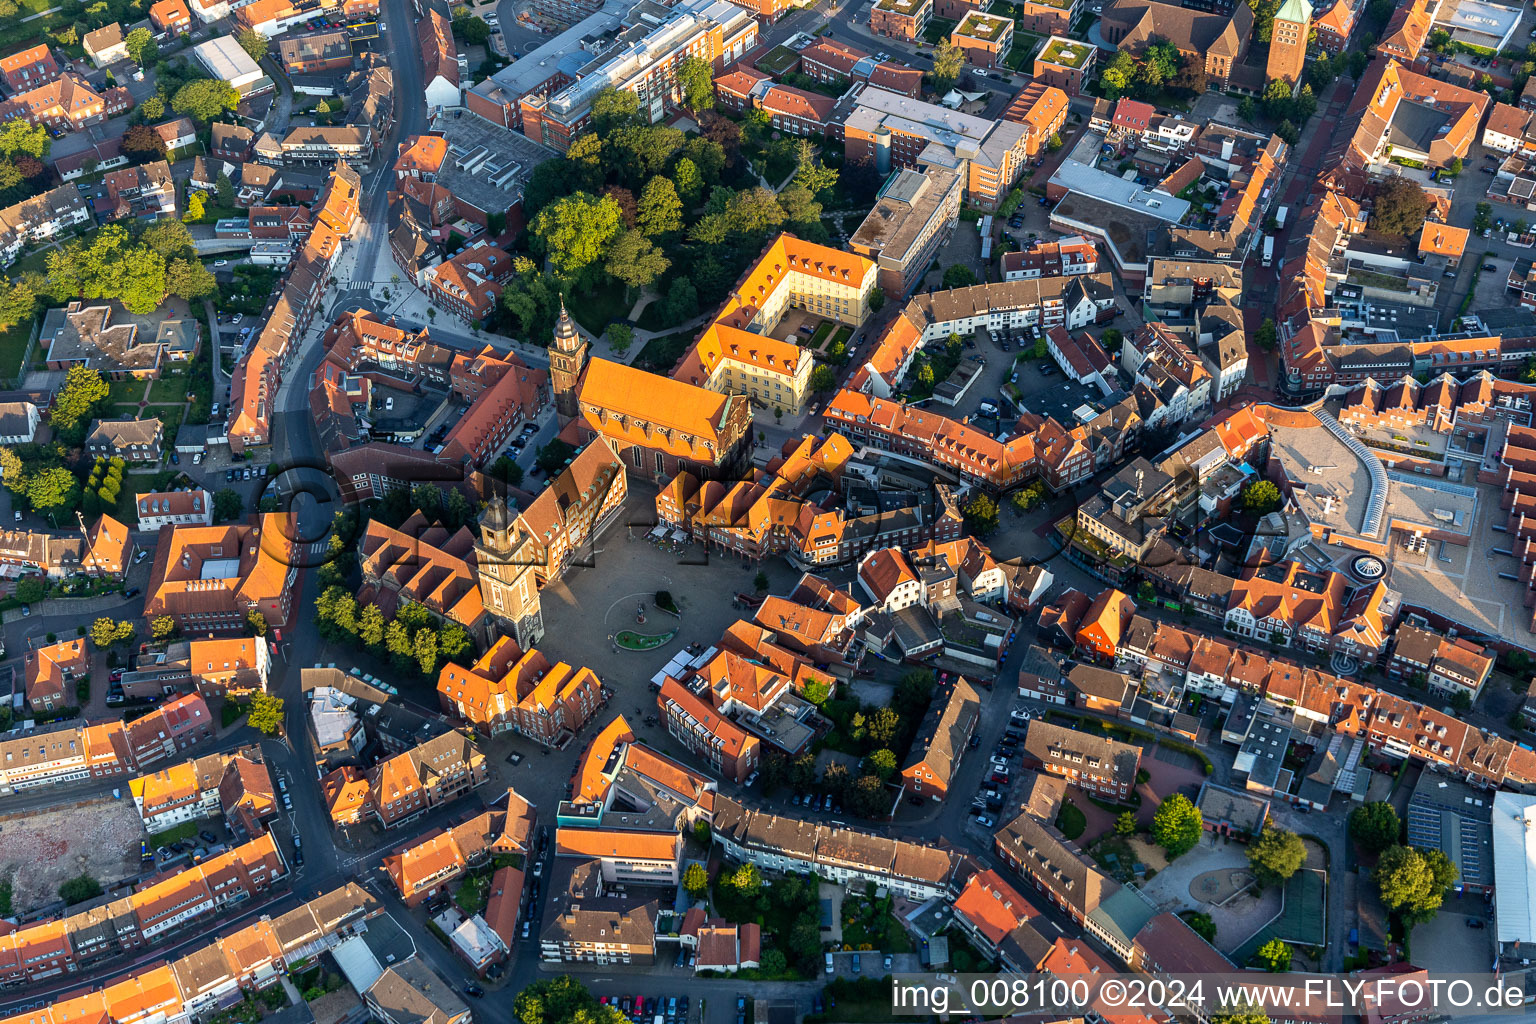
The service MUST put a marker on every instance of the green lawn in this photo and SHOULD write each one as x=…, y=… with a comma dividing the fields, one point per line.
x=126, y=392
x=938, y=30
x=820, y=335
x=37, y=262
x=168, y=389
x=174, y=834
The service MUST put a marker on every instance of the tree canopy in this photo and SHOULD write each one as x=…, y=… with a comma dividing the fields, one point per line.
x=266, y=713
x=948, y=61
x=205, y=99
x=1413, y=881
x=1176, y=826
x=75, y=404
x=142, y=48
x=1374, y=826
x=697, y=79
x=1401, y=207
x=574, y=232
x=1276, y=855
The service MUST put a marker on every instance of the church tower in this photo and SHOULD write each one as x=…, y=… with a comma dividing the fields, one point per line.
x=505, y=560
x=567, y=359
x=1288, y=42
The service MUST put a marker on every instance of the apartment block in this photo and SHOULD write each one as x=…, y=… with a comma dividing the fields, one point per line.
x=900, y=19
x=914, y=216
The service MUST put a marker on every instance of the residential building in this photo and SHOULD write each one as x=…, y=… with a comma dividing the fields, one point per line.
x=40, y=218
x=174, y=508
x=941, y=740
x=130, y=440
x=410, y=992
x=900, y=19
x=726, y=747
x=1447, y=666
x=833, y=61
x=170, y=17
x=1285, y=603
x=468, y=283
x=308, y=53
x=406, y=785
x=1104, y=623
x=1096, y=764
x=429, y=865
x=145, y=191
x=1065, y=64
x=51, y=673
x=1042, y=109
x=105, y=45
x=67, y=103
x=26, y=69
x=18, y=422
x=985, y=38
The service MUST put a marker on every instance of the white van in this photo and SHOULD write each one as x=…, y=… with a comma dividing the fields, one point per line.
x=830, y=968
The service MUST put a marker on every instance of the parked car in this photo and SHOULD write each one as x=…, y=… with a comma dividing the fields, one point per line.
x=855, y=963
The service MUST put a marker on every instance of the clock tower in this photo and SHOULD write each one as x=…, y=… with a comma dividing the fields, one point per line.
x=567, y=360
x=505, y=561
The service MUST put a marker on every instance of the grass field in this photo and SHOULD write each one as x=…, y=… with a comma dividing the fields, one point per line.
x=632, y=641
x=169, y=389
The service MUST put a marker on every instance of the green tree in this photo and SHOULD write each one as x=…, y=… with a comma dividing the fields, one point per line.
x=823, y=378
x=225, y=190
x=169, y=237
x=426, y=650
x=1176, y=826
x=1125, y=824
x=142, y=48
x=53, y=490
x=981, y=515
x=103, y=633
x=1274, y=956
x=659, y=211
x=620, y=337
x=190, y=279
x=959, y=276
x=266, y=713
x=24, y=137
x=1401, y=207
x=1276, y=855
x=1201, y=924
x=153, y=108
x=575, y=231
x=614, y=108
x=553, y=456
x=696, y=879
x=816, y=691
x=1240, y=1013
x=687, y=180
x=561, y=1000
x=1261, y=497
x=197, y=207
x=370, y=626
x=162, y=627
x=760, y=582
x=18, y=303
x=79, y=889
x=205, y=99
x=13, y=472
x=635, y=260
x=1117, y=76
x=471, y=29
x=884, y=727
x=948, y=60
x=1266, y=337
x=227, y=505
x=1413, y=882
x=1374, y=826
x=882, y=763
x=30, y=590
x=697, y=79
x=810, y=174
x=76, y=402
x=747, y=880
x=257, y=622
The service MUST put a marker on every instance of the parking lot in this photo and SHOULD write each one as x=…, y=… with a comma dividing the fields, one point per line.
x=1046, y=391
x=997, y=790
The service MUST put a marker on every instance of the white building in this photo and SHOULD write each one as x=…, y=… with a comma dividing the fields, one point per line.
x=18, y=422
x=227, y=61
x=174, y=508
x=1514, y=870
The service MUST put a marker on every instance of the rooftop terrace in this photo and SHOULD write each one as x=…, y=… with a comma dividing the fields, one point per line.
x=1066, y=53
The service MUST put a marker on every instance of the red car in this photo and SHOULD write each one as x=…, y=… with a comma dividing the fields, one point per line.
x=116, y=676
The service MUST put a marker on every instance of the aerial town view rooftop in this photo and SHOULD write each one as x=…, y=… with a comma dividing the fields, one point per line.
x=707, y=511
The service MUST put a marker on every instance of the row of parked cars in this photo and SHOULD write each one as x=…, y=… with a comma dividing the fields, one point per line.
x=649, y=1009
x=990, y=798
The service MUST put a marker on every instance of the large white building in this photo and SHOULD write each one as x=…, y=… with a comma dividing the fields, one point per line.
x=227, y=61
x=1514, y=870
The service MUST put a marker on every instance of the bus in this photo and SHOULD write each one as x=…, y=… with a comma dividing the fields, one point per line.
x=1269, y=250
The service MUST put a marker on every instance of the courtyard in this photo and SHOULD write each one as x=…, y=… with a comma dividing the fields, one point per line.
x=1213, y=878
